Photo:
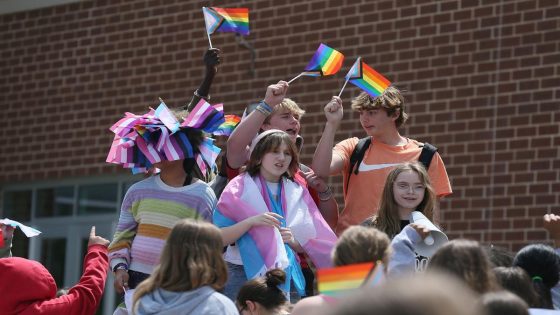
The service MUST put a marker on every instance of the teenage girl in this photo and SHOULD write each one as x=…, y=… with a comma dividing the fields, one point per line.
x=191, y=269
x=266, y=218
x=407, y=189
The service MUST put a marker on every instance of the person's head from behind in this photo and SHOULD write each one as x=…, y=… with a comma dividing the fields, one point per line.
x=468, y=261
x=359, y=244
x=191, y=258
x=273, y=155
x=262, y=296
x=428, y=294
x=504, y=302
x=407, y=188
x=285, y=116
x=543, y=266
x=499, y=256
x=517, y=281
x=382, y=113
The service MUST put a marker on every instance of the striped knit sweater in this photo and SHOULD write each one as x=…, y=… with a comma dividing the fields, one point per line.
x=149, y=210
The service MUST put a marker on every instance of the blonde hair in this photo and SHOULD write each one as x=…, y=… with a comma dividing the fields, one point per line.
x=191, y=258
x=387, y=218
x=390, y=100
x=290, y=106
x=359, y=244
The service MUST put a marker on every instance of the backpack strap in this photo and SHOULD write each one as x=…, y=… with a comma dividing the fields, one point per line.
x=357, y=157
x=426, y=155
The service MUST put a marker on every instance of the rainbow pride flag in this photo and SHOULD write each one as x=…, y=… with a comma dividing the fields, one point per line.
x=341, y=280
x=226, y=128
x=367, y=79
x=233, y=20
x=325, y=61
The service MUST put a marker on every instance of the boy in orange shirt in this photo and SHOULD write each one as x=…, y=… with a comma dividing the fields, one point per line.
x=381, y=118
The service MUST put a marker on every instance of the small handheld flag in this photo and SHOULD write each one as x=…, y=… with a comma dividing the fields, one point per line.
x=233, y=20
x=325, y=61
x=341, y=280
x=367, y=79
x=226, y=128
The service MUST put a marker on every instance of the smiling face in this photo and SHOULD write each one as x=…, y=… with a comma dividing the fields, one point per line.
x=284, y=120
x=408, y=192
x=275, y=163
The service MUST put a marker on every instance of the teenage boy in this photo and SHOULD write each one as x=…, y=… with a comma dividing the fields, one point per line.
x=381, y=118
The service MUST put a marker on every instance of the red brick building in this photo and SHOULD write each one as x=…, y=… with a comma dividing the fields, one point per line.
x=482, y=81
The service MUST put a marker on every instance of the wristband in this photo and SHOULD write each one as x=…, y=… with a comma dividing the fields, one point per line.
x=264, y=108
x=119, y=266
x=265, y=105
x=198, y=95
x=325, y=195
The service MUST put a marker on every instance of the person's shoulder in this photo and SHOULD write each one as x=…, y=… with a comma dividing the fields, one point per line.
x=222, y=302
x=350, y=141
x=309, y=305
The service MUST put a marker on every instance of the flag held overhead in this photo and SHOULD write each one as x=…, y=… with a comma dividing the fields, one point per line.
x=367, y=79
x=325, y=61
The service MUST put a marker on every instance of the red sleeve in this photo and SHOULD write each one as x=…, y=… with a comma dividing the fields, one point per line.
x=84, y=297
x=231, y=172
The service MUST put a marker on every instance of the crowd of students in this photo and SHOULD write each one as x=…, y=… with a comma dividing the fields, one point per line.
x=186, y=243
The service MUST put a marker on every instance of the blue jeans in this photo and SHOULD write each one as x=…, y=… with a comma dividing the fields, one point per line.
x=236, y=279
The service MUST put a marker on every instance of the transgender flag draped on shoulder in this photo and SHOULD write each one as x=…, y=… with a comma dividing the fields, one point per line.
x=262, y=247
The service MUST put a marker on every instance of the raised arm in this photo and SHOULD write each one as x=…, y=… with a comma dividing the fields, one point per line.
x=212, y=59
x=250, y=125
x=324, y=162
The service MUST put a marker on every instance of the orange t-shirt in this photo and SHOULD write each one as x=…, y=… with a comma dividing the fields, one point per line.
x=363, y=194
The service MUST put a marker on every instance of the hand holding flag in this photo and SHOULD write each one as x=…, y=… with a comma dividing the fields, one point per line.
x=325, y=61
x=234, y=20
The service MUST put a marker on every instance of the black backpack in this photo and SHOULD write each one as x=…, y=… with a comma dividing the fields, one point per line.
x=357, y=156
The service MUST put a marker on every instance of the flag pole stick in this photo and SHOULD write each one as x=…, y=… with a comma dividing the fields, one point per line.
x=345, y=82
x=209, y=41
x=292, y=80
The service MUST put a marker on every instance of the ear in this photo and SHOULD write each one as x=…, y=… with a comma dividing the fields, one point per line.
x=396, y=114
x=251, y=306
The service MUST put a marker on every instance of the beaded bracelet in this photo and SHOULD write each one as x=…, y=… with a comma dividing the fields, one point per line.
x=325, y=195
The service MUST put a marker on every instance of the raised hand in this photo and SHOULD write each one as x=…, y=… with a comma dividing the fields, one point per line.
x=212, y=59
x=551, y=222
x=333, y=110
x=96, y=240
x=276, y=93
x=7, y=231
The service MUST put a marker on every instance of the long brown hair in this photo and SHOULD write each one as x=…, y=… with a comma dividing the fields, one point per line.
x=467, y=260
x=387, y=218
x=191, y=258
x=269, y=143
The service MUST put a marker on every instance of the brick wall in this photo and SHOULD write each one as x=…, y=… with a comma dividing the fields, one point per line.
x=481, y=76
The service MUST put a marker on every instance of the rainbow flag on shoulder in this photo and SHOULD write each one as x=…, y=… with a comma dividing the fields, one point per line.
x=231, y=20
x=367, y=79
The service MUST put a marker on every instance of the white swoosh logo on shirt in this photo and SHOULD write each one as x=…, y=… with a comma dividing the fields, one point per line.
x=372, y=167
